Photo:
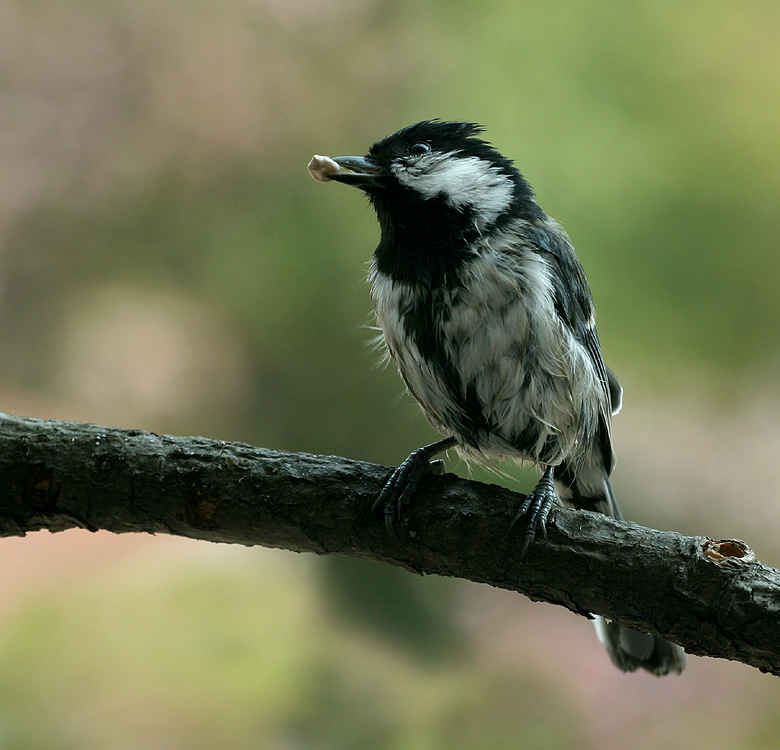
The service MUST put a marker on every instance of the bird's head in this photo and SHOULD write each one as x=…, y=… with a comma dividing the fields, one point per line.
x=438, y=169
x=439, y=192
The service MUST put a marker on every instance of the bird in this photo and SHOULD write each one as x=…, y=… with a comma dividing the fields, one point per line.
x=485, y=308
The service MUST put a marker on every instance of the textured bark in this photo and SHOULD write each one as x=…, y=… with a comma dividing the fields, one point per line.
x=711, y=597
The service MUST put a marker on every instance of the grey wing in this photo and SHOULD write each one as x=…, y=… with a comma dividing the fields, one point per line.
x=615, y=392
x=574, y=305
x=591, y=341
x=573, y=301
x=608, y=378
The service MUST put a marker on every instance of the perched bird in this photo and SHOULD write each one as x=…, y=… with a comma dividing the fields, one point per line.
x=486, y=310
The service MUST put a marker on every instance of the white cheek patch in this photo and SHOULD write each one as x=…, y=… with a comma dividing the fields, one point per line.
x=462, y=182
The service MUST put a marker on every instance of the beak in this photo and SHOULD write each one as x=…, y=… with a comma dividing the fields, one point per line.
x=358, y=171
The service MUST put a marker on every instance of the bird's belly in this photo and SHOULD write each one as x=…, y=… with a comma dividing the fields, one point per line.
x=523, y=373
x=491, y=363
x=495, y=388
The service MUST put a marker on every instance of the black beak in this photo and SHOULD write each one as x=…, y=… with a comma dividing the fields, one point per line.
x=359, y=171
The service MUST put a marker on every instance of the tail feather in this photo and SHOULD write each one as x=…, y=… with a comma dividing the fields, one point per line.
x=629, y=650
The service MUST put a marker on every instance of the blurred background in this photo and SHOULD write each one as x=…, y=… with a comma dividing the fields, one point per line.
x=166, y=263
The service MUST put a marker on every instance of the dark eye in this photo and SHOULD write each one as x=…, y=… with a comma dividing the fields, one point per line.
x=419, y=149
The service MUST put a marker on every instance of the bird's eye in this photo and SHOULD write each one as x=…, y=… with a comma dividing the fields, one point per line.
x=419, y=149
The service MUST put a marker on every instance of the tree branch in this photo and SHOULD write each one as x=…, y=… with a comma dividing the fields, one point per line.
x=713, y=598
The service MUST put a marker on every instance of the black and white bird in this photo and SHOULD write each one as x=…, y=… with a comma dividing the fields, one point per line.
x=487, y=312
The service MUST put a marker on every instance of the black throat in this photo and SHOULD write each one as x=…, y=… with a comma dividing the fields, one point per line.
x=423, y=242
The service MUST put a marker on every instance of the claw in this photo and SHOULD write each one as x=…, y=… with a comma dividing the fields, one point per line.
x=400, y=486
x=537, y=505
x=437, y=468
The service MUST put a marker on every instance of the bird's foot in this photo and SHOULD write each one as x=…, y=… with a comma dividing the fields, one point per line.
x=400, y=487
x=537, y=506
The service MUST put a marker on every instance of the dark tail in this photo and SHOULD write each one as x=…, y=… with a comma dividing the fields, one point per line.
x=631, y=650
x=590, y=489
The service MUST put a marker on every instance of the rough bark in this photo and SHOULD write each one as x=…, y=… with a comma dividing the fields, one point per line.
x=713, y=598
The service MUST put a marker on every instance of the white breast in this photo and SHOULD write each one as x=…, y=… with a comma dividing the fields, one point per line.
x=504, y=339
x=391, y=299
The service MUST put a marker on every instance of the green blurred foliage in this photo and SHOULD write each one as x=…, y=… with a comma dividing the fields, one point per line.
x=411, y=611
x=235, y=656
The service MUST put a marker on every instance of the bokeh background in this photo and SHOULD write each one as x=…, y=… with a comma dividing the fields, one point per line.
x=166, y=263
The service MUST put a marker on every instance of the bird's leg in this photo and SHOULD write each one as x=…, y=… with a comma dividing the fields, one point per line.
x=537, y=505
x=400, y=487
